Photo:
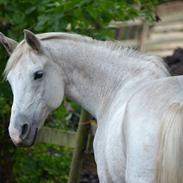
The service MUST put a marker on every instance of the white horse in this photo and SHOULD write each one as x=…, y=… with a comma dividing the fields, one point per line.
x=138, y=107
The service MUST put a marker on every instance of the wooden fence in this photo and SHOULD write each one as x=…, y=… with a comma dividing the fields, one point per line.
x=161, y=38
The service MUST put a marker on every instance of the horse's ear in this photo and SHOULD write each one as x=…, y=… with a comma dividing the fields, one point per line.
x=32, y=40
x=8, y=43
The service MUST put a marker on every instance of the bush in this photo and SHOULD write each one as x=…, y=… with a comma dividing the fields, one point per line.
x=42, y=164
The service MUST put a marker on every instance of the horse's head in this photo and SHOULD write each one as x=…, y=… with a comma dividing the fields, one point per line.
x=36, y=83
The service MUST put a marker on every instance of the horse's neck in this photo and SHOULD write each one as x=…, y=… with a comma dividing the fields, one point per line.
x=92, y=74
x=89, y=78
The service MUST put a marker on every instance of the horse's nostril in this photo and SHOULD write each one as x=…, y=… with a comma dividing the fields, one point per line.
x=25, y=131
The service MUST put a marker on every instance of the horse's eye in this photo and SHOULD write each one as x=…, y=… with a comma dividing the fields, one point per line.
x=38, y=75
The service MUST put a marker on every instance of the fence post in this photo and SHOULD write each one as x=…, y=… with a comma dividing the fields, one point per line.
x=81, y=142
x=143, y=36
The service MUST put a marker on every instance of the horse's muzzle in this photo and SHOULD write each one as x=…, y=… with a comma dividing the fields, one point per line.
x=28, y=142
x=24, y=136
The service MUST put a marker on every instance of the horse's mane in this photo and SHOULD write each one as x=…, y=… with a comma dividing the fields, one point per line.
x=115, y=46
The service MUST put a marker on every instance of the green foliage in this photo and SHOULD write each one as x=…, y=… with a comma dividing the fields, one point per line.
x=89, y=17
x=6, y=148
x=65, y=117
x=42, y=164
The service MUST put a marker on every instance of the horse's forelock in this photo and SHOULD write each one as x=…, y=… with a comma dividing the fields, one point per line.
x=20, y=50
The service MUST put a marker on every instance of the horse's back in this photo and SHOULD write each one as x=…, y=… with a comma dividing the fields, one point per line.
x=145, y=110
x=110, y=143
x=126, y=144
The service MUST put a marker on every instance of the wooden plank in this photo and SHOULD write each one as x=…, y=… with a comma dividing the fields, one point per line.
x=163, y=46
x=129, y=42
x=55, y=136
x=174, y=26
x=176, y=17
x=165, y=41
x=161, y=53
x=166, y=36
x=120, y=24
x=143, y=37
x=169, y=8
